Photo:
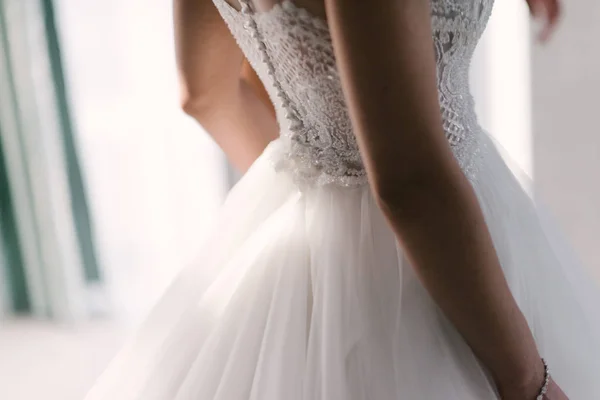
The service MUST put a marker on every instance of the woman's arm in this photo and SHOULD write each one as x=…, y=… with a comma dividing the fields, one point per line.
x=250, y=76
x=218, y=88
x=384, y=50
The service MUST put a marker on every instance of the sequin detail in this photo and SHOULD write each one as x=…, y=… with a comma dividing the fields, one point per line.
x=292, y=52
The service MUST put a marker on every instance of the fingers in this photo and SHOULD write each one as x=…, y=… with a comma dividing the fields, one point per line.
x=536, y=7
x=547, y=10
x=552, y=15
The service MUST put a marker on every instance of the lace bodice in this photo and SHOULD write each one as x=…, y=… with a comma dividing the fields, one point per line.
x=292, y=52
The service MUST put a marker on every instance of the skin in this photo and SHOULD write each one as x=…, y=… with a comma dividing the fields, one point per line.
x=548, y=11
x=218, y=88
x=384, y=52
x=249, y=75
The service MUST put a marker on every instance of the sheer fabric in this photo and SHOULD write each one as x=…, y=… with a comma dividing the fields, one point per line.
x=303, y=292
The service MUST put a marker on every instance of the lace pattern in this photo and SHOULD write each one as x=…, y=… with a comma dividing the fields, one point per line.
x=292, y=52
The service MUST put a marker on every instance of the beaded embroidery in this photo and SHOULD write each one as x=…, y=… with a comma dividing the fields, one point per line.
x=292, y=52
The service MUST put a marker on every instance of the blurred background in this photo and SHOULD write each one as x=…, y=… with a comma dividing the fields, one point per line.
x=107, y=189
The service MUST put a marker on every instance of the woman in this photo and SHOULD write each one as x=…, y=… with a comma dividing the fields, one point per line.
x=378, y=247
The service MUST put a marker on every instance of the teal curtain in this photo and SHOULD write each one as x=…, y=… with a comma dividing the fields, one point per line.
x=79, y=202
x=46, y=235
x=11, y=260
x=13, y=269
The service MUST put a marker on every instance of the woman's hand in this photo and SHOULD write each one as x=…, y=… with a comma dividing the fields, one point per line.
x=549, y=12
x=554, y=393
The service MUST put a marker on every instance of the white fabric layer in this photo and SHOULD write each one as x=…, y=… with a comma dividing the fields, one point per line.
x=303, y=294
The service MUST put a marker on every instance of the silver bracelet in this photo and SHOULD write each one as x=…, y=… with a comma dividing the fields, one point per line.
x=544, y=388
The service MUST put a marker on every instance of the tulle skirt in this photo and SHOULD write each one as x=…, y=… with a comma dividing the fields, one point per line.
x=302, y=293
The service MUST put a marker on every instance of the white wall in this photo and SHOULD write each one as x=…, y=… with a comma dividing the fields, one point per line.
x=566, y=88
x=154, y=177
x=501, y=81
x=540, y=102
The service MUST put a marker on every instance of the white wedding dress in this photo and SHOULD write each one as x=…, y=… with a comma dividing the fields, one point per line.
x=302, y=292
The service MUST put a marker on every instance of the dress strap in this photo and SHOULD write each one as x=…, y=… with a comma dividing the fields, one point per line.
x=291, y=114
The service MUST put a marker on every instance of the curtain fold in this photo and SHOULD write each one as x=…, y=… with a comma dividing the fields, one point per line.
x=79, y=203
x=44, y=194
x=13, y=287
